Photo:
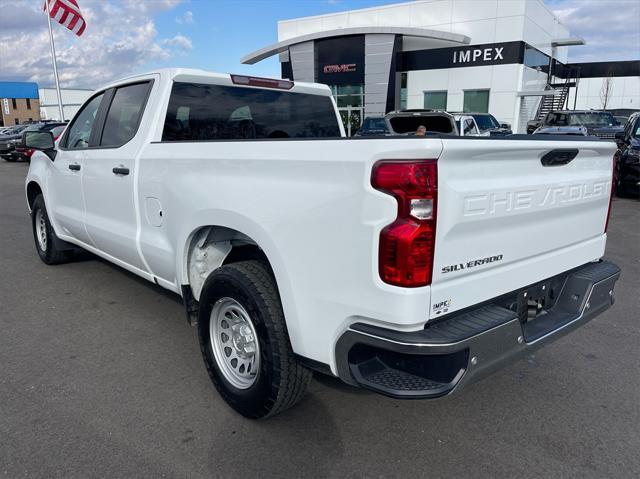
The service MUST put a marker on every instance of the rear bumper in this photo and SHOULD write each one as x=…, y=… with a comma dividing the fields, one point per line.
x=468, y=345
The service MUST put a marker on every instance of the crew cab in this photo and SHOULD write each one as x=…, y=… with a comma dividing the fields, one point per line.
x=410, y=266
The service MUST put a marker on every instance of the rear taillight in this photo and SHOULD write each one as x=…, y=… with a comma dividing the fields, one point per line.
x=407, y=245
x=613, y=190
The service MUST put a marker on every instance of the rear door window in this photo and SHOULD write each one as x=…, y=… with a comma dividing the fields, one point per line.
x=200, y=112
x=124, y=114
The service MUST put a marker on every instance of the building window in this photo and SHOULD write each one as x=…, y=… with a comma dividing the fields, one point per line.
x=476, y=101
x=28, y=103
x=14, y=103
x=403, y=91
x=435, y=100
x=16, y=121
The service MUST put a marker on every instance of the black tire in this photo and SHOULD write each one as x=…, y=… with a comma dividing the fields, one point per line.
x=281, y=380
x=51, y=254
x=9, y=159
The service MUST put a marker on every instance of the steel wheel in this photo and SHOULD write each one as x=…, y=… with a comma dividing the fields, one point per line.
x=41, y=230
x=234, y=342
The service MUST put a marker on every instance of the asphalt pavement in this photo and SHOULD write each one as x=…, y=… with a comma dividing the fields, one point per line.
x=100, y=376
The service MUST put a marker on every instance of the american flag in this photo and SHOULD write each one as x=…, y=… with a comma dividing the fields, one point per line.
x=67, y=13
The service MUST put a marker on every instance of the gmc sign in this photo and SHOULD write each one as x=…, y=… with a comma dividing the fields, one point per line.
x=344, y=68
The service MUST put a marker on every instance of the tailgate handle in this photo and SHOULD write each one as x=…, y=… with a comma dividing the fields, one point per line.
x=120, y=170
x=559, y=157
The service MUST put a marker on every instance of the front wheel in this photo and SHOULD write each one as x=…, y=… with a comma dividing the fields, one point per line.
x=44, y=236
x=244, y=341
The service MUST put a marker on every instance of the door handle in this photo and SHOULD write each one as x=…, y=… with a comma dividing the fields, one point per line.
x=74, y=166
x=120, y=170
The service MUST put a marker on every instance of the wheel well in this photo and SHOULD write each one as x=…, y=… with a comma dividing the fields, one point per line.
x=213, y=246
x=33, y=190
x=244, y=253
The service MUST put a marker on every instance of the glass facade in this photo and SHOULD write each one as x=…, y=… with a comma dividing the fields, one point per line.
x=348, y=95
x=350, y=102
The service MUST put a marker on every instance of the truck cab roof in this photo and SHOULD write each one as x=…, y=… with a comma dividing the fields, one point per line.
x=204, y=76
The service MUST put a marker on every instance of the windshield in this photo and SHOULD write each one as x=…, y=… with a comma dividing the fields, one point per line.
x=35, y=127
x=486, y=122
x=374, y=124
x=601, y=119
x=15, y=130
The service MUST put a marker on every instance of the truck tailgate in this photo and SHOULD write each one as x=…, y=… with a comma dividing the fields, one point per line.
x=505, y=220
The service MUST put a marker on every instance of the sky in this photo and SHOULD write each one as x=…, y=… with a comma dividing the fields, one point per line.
x=131, y=36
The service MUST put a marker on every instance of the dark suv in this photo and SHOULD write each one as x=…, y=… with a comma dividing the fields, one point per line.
x=598, y=123
x=627, y=159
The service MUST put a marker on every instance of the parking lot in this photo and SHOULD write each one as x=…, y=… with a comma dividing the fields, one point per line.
x=100, y=376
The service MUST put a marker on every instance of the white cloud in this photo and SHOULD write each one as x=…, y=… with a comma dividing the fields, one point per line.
x=179, y=41
x=610, y=28
x=185, y=18
x=120, y=38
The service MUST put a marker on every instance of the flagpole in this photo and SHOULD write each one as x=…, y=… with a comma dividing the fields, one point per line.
x=55, y=64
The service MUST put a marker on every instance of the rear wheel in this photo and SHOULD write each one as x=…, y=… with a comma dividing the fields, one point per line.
x=244, y=341
x=44, y=236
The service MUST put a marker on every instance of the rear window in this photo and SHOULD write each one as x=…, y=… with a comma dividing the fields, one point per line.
x=433, y=124
x=199, y=112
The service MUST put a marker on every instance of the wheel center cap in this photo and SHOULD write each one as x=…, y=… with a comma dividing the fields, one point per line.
x=243, y=340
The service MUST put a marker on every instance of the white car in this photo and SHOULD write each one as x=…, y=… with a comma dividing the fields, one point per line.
x=467, y=126
x=410, y=266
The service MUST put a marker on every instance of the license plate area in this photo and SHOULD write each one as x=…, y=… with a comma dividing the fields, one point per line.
x=536, y=300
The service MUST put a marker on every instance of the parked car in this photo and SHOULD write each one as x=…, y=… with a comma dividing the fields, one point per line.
x=598, y=123
x=627, y=159
x=9, y=140
x=409, y=266
x=488, y=125
x=562, y=130
x=21, y=152
x=373, y=126
x=467, y=126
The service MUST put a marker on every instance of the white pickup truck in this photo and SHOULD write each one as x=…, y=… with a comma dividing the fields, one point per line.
x=410, y=266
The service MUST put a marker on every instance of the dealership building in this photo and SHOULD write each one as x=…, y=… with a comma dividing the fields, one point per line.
x=505, y=57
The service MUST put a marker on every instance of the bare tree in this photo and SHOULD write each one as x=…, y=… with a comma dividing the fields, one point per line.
x=606, y=91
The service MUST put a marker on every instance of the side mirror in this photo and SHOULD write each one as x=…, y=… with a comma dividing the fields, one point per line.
x=40, y=140
x=506, y=126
